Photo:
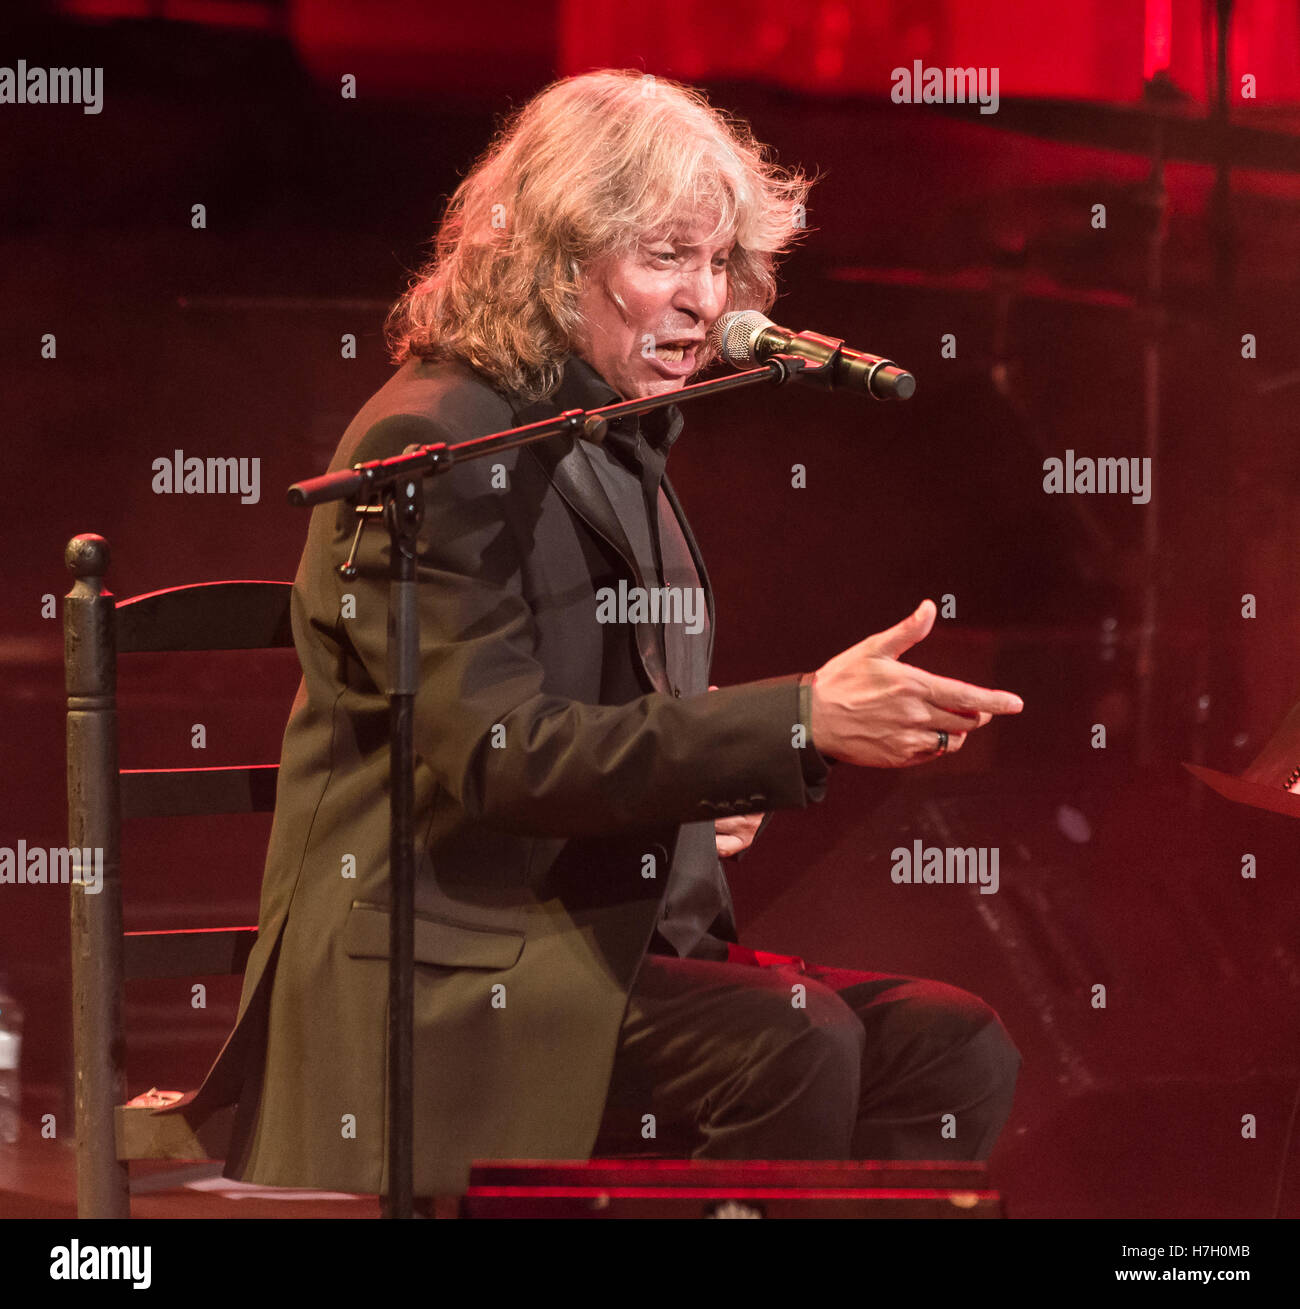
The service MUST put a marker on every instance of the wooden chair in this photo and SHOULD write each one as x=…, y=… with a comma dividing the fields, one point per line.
x=234, y=615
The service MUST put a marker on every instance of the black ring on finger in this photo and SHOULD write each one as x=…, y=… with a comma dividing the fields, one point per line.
x=943, y=740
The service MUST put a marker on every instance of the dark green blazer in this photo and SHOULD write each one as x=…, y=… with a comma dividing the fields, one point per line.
x=554, y=767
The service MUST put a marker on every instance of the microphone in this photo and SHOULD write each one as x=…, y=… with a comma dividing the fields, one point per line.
x=745, y=337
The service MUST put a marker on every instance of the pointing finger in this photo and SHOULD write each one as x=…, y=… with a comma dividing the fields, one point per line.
x=962, y=697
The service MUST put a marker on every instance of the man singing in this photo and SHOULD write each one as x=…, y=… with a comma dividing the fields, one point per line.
x=579, y=982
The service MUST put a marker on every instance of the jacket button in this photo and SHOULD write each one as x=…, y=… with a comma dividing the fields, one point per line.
x=677, y=691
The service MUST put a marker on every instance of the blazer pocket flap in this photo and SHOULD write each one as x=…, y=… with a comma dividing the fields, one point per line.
x=437, y=941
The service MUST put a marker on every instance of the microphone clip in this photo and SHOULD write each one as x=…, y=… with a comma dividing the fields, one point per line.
x=785, y=367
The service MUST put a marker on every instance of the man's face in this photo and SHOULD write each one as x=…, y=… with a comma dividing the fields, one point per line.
x=674, y=289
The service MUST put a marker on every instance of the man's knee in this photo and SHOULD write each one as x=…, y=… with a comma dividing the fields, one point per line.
x=803, y=1027
x=991, y=1060
x=932, y=1024
x=987, y=1043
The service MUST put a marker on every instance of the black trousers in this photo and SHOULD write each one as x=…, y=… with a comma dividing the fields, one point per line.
x=794, y=1061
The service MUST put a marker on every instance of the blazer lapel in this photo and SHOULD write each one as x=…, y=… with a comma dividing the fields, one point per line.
x=571, y=473
x=567, y=464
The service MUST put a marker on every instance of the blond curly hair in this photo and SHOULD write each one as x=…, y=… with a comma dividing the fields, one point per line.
x=587, y=169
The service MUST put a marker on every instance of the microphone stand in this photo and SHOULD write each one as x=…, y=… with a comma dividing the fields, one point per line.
x=393, y=488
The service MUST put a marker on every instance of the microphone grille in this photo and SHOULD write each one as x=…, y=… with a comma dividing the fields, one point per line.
x=732, y=336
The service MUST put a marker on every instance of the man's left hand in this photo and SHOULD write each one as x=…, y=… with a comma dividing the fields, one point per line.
x=735, y=834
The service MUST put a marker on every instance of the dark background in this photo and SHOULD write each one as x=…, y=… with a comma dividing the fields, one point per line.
x=1116, y=867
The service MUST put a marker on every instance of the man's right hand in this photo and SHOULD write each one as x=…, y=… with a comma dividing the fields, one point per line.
x=870, y=709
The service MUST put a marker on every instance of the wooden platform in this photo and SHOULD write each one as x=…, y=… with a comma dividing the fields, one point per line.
x=695, y=1188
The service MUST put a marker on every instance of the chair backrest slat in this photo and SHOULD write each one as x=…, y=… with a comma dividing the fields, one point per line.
x=206, y=616
x=205, y=952
x=179, y=792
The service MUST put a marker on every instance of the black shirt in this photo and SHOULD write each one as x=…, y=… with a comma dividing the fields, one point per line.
x=697, y=918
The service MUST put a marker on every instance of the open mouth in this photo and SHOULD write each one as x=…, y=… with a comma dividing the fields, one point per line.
x=673, y=352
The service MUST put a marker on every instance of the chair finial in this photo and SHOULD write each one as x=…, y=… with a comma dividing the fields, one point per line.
x=87, y=555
